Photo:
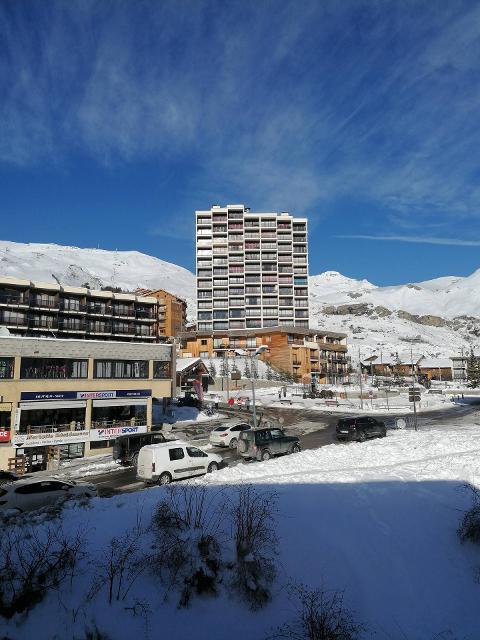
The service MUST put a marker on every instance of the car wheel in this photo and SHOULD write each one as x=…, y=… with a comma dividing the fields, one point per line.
x=213, y=466
x=233, y=443
x=265, y=455
x=361, y=436
x=242, y=446
x=296, y=448
x=383, y=433
x=134, y=461
x=165, y=478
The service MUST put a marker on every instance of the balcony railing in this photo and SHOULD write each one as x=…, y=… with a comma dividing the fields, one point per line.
x=53, y=428
x=99, y=309
x=108, y=424
x=14, y=300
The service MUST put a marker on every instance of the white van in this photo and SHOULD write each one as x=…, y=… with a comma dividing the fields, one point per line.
x=169, y=461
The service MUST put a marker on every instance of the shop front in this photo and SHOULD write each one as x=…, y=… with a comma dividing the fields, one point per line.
x=116, y=417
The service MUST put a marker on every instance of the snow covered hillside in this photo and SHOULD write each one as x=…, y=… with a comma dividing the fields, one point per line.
x=97, y=267
x=437, y=317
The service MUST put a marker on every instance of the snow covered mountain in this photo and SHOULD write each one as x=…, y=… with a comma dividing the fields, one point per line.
x=97, y=267
x=437, y=317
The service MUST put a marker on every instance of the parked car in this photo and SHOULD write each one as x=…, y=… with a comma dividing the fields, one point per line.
x=28, y=494
x=360, y=429
x=169, y=461
x=262, y=444
x=126, y=448
x=226, y=435
x=8, y=476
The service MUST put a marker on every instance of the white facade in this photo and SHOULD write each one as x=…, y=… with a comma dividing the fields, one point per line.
x=252, y=269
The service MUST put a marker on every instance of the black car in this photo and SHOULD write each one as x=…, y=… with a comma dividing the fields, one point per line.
x=9, y=476
x=126, y=448
x=360, y=429
x=262, y=444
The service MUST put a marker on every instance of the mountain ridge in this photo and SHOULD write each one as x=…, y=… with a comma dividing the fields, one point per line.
x=443, y=314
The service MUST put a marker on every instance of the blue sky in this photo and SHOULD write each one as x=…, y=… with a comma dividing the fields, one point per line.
x=119, y=119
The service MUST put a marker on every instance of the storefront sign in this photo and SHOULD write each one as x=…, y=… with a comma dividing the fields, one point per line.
x=4, y=436
x=49, y=439
x=113, y=432
x=85, y=395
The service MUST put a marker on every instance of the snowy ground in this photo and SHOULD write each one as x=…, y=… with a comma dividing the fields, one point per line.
x=377, y=520
x=396, y=403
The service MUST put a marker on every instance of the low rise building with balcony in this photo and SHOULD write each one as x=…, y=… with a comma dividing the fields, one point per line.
x=46, y=309
x=306, y=354
x=63, y=399
x=172, y=311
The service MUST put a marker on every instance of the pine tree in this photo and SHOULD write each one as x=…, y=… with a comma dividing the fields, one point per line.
x=246, y=371
x=255, y=370
x=269, y=373
x=224, y=368
x=473, y=371
x=212, y=369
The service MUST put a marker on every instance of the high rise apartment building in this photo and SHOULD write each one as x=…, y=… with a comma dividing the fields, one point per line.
x=252, y=269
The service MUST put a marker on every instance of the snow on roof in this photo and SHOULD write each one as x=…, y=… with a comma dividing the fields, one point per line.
x=186, y=363
x=436, y=363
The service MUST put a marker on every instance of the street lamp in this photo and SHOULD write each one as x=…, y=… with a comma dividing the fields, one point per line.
x=253, y=356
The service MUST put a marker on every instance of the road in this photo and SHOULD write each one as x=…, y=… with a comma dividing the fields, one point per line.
x=314, y=428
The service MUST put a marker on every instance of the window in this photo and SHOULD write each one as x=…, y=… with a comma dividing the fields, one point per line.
x=121, y=369
x=203, y=354
x=276, y=433
x=176, y=454
x=161, y=369
x=6, y=368
x=193, y=452
x=53, y=368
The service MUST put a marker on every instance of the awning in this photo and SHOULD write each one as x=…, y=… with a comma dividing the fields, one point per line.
x=53, y=404
x=125, y=402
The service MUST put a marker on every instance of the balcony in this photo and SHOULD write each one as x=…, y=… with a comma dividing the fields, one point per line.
x=13, y=321
x=41, y=324
x=52, y=428
x=109, y=424
x=14, y=299
x=99, y=309
x=145, y=314
x=44, y=302
x=100, y=328
x=72, y=327
x=72, y=306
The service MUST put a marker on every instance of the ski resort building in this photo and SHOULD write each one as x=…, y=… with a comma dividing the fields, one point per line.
x=57, y=311
x=172, y=311
x=303, y=353
x=252, y=269
x=62, y=399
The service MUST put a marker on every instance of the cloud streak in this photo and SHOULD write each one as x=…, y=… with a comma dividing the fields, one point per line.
x=281, y=108
x=453, y=242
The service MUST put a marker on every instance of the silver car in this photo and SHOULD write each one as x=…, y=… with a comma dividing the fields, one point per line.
x=34, y=493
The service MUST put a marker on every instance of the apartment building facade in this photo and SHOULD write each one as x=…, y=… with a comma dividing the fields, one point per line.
x=172, y=311
x=46, y=309
x=62, y=399
x=252, y=269
x=303, y=353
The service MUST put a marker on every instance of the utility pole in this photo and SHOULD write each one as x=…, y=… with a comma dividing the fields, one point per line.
x=228, y=378
x=361, y=385
x=414, y=394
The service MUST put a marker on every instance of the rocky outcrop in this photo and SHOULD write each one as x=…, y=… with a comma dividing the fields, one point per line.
x=429, y=320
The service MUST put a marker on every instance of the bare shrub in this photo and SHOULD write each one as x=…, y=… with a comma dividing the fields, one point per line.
x=253, y=532
x=186, y=551
x=319, y=615
x=469, y=529
x=120, y=565
x=33, y=562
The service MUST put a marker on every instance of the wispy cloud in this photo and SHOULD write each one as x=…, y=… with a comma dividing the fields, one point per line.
x=456, y=242
x=281, y=108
